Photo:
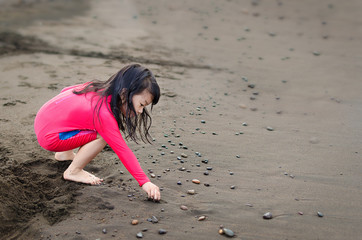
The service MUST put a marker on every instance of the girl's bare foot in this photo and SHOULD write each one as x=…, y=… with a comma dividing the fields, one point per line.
x=64, y=156
x=82, y=177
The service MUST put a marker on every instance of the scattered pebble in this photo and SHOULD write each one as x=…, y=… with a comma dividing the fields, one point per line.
x=179, y=183
x=272, y=34
x=268, y=215
x=183, y=207
x=196, y=181
x=201, y=218
x=300, y=213
x=104, y=231
x=162, y=231
x=315, y=53
x=269, y=128
x=206, y=173
x=226, y=231
x=139, y=235
x=232, y=187
x=320, y=214
x=154, y=219
x=191, y=192
x=134, y=222
x=184, y=155
x=313, y=140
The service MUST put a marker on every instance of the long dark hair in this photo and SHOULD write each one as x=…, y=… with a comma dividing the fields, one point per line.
x=122, y=86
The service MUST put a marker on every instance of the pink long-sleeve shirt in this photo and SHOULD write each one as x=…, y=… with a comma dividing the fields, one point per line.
x=68, y=111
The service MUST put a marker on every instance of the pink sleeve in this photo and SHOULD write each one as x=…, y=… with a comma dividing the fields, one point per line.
x=107, y=127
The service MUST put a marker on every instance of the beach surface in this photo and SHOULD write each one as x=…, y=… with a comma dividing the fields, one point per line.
x=261, y=102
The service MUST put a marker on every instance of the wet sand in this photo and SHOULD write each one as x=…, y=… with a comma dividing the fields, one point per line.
x=268, y=92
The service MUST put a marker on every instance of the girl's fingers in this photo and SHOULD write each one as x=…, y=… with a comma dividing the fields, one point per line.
x=156, y=194
x=152, y=191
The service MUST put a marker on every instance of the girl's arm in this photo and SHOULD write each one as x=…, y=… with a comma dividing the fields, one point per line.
x=107, y=127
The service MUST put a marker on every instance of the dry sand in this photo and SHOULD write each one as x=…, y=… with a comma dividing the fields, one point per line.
x=303, y=60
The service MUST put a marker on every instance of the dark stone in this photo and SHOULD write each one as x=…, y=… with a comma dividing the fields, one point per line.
x=162, y=231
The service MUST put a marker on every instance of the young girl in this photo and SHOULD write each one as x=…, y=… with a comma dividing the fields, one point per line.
x=90, y=115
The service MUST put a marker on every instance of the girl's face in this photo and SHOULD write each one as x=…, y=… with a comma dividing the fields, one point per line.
x=140, y=101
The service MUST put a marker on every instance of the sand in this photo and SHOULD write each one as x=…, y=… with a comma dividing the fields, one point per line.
x=269, y=92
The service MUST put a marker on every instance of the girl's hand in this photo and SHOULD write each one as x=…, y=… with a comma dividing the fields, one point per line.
x=152, y=191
